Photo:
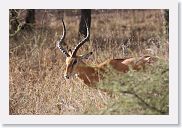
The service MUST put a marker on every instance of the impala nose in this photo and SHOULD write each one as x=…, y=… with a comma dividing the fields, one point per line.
x=66, y=76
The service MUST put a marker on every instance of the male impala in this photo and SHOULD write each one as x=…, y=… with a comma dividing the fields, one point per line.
x=91, y=75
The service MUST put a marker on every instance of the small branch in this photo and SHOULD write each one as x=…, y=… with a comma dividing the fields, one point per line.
x=16, y=31
x=143, y=101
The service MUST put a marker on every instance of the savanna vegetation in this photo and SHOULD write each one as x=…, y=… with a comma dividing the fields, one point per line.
x=36, y=66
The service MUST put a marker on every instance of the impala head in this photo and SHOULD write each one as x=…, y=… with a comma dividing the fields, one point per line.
x=72, y=60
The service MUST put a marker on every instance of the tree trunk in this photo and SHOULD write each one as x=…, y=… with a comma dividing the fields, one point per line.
x=13, y=21
x=30, y=19
x=85, y=16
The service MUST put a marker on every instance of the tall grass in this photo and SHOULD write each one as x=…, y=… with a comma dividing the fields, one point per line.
x=36, y=68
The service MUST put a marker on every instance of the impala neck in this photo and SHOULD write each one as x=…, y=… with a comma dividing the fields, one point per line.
x=88, y=74
x=83, y=68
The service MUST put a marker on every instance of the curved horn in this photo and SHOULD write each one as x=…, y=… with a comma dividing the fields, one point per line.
x=59, y=43
x=81, y=42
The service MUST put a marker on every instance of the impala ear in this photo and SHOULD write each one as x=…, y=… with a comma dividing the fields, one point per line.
x=86, y=56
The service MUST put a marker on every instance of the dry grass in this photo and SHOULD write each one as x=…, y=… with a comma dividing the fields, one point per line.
x=36, y=68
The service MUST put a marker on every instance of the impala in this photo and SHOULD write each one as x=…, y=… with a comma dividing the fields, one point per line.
x=91, y=75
